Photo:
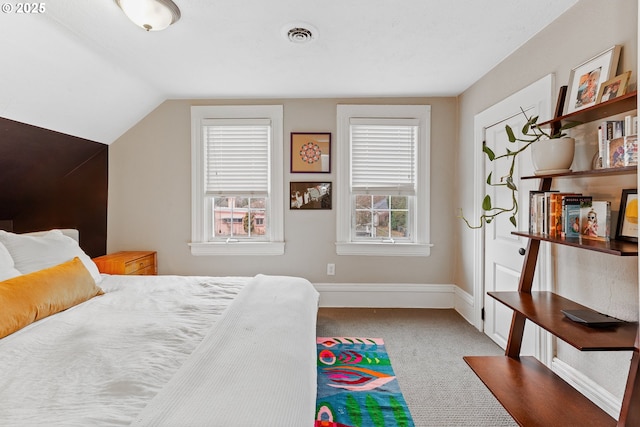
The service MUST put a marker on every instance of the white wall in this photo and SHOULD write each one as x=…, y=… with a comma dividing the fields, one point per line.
x=603, y=282
x=149, y=199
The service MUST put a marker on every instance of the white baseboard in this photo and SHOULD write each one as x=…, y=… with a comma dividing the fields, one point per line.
x=464, y=305
x=386, y=295
x=597, y=394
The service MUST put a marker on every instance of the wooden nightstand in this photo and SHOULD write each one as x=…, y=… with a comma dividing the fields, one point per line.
x=128, y=262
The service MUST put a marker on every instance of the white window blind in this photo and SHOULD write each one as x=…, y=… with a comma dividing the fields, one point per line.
x=384, y=155
x=236, y=156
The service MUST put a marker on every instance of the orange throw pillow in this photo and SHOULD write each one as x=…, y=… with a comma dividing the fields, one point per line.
x=30, y=297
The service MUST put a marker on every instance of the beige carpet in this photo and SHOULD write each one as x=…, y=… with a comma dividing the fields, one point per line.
x=426, y=349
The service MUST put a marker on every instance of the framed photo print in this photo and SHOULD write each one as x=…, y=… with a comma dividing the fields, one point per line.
x=628, y=216
x=310, y=152
x=310, y=195
x=585, y=79
x=613, y=88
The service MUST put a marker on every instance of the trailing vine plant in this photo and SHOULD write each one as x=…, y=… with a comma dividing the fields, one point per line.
x=531, y=133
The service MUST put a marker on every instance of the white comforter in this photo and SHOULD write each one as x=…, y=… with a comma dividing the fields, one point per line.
x=102, y=362
x=249, y=370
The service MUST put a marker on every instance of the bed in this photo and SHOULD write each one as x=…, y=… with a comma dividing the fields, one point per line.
x=149, y=350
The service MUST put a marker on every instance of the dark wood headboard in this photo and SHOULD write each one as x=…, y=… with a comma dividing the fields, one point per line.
x=53, y=180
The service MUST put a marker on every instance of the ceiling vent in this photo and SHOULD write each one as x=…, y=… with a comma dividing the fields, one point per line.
x=300, y=33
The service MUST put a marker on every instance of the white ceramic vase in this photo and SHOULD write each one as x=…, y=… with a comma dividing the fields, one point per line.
x=553, y=155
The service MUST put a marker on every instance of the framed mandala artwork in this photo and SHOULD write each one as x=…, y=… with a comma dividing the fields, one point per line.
x=310, y=152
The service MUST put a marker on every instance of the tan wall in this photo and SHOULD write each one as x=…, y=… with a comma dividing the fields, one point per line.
x=603, y=282
x=150, y=196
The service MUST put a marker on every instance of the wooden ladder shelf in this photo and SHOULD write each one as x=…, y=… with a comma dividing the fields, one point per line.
x=529, y=390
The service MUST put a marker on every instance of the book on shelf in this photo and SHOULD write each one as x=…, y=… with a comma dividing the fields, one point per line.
x=630, y=140
x=623, y=151
x=546, y=212
x=571, y=214
x=561, y=214
x=533, y=210
x=555, y=212
x=617, y=143
x=631, y=150
x=608, y=130
x=539, y=211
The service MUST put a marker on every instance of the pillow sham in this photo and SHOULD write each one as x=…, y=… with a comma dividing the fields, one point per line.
x=7, y=266
x=34, y=296
x=34, y=252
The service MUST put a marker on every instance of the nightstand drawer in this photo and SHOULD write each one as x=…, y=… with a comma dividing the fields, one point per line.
x=141, y=265
x=128, y=262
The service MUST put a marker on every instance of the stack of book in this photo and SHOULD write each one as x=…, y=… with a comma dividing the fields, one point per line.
x=556, y=214
x=618, y=143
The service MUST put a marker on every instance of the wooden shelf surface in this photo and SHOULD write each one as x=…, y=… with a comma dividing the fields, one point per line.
x=534, y=395
x=588, y=173
x=611, y=247
x=543, y=309
x=621, y=104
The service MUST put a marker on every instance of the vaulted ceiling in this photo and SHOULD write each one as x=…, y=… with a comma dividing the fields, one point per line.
x=84, y=69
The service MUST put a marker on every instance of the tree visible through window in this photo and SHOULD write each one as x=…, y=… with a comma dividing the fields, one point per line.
x=381, y=217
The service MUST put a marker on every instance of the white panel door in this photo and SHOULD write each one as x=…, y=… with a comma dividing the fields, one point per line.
x=497, y=252
x=504, y=251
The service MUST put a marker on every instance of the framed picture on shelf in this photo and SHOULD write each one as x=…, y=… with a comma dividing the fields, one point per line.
x=627, y=228
x=613, y=88
x=310, y=152
x=310, y=195
x=616, y=153
x=585, y=79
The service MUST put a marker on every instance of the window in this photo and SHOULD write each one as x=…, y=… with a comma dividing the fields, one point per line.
x=383, y=180
x=237, y=180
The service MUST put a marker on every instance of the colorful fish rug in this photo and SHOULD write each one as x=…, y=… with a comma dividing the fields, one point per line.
x=357, y=386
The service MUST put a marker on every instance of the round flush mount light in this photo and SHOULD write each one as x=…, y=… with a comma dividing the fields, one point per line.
x=300, y=32
x=151, y=15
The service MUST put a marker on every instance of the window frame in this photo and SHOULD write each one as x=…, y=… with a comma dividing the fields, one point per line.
x=420, y=246
x=200, y=202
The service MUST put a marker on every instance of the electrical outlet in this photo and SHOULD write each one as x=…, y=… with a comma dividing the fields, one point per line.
x=331, y=269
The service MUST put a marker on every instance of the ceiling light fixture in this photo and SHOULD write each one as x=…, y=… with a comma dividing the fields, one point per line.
x=152, y=15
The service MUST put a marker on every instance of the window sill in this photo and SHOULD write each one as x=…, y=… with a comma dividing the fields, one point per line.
x=237, y=248
x=384, y=249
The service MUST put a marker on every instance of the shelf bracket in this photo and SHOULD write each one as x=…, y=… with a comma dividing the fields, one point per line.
x=562, y=94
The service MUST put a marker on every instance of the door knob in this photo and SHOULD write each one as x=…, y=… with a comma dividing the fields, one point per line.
x=521, y=251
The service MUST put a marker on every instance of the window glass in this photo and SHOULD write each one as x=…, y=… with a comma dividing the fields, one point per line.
x=237, y=180
x=383, y=180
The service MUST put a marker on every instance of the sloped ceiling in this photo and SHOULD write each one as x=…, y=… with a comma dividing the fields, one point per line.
x=84, y=69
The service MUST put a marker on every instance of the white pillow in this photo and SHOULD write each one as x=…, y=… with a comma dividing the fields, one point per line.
x=7, y=266
x=35, y=252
